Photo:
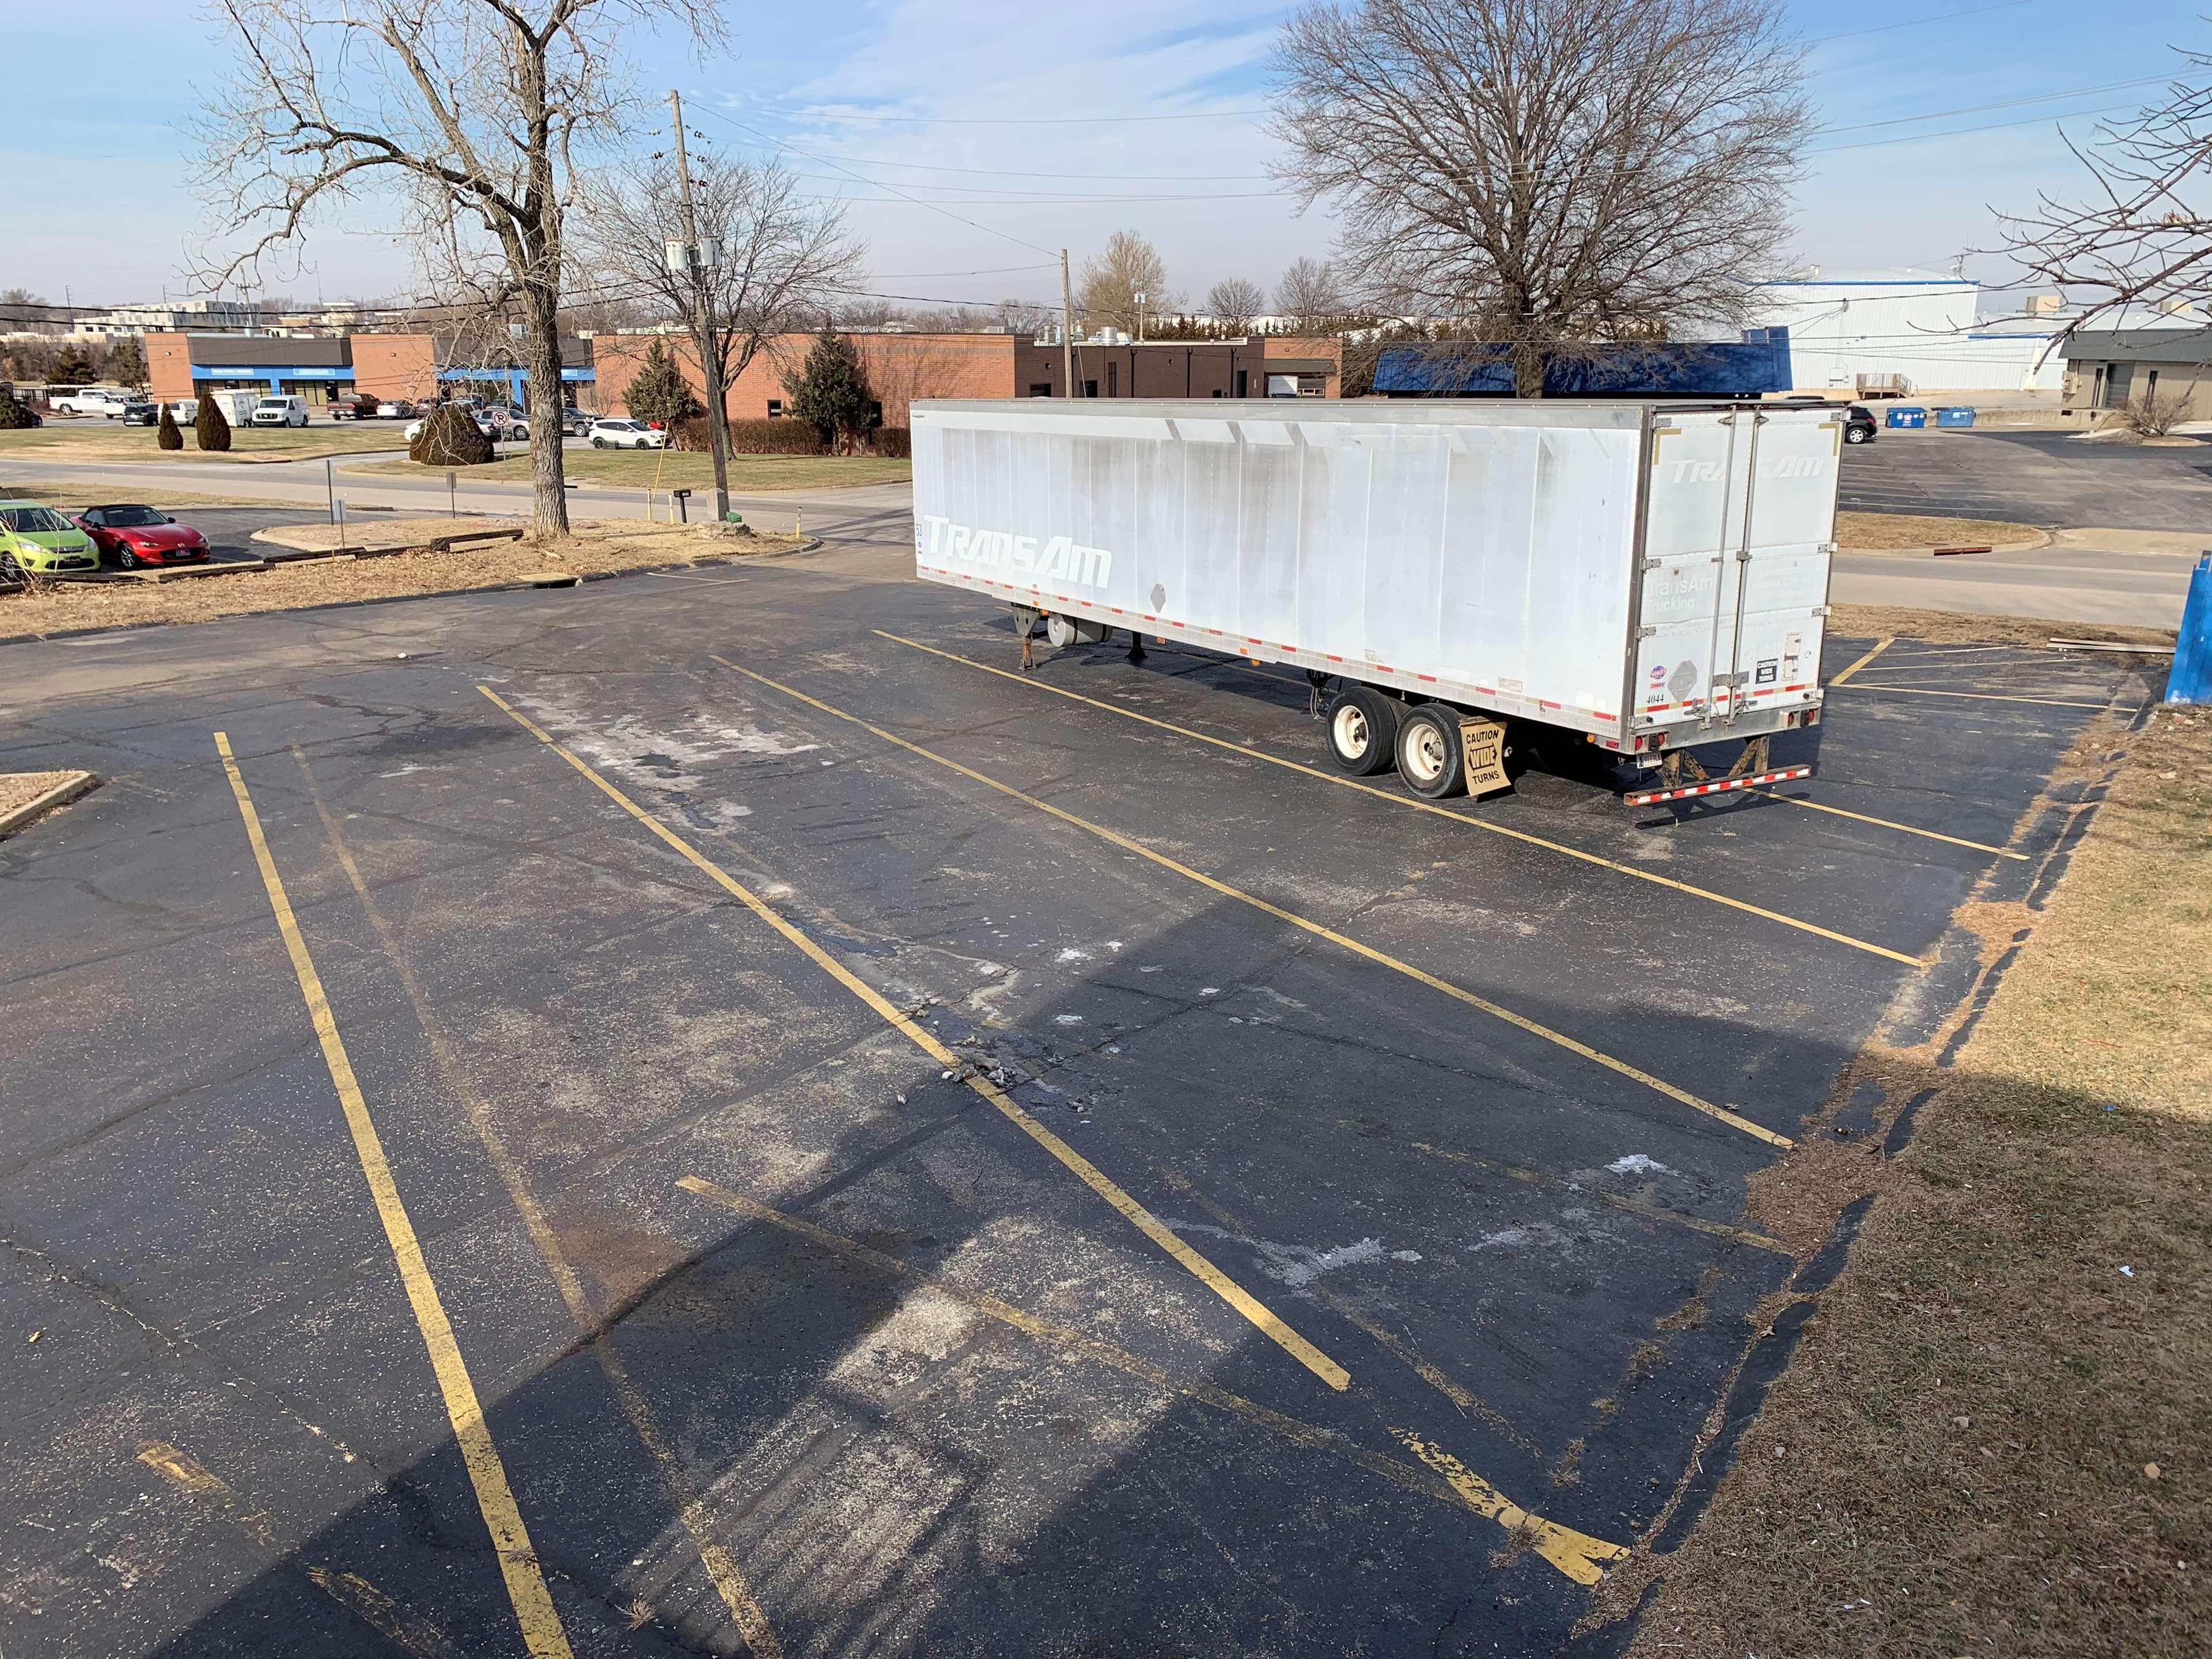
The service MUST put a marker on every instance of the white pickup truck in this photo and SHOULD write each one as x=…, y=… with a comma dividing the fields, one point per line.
x=91, y=400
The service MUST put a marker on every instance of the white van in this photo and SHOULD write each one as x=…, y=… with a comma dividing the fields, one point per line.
x=287, y=410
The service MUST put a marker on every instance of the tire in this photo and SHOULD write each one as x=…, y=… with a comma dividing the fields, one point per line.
x=1857, y=435
x=599, y=443
x=126, y=559
x=1430, y=759
x=1362, y=723
x=1060, y=631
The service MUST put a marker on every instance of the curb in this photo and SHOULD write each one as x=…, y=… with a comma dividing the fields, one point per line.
x=60, y=795
x=559, y=579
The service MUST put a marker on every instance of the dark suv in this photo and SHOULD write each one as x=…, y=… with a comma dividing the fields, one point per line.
x=1858, y=425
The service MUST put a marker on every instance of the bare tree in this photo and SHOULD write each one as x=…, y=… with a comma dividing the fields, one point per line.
x=1546, y=170
x=1310, y=293
x=2144, y=235
x=1129, y=266
x=1026, y=319
x=474, y=110
x=774, y=260
x=1233, y=302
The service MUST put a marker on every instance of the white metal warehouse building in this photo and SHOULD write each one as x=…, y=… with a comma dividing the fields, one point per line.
x=1916, y=324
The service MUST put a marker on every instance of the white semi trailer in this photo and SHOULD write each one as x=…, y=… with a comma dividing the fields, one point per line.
x=1653, y=577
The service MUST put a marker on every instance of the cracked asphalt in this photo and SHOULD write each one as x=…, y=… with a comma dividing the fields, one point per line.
x=789, y=1336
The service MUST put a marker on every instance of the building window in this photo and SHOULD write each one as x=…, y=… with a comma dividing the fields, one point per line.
x=776, y=409
x=875, y=414
x=1040, y=388
x=2150, y=384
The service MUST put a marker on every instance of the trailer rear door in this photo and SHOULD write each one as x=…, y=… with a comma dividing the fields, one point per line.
x=1740, y=515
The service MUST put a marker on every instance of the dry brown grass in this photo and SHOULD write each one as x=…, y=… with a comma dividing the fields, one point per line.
x=594, y=548
x=75, y=495
x=1873, y=532
x=1992, y=1440
x=1854, y=622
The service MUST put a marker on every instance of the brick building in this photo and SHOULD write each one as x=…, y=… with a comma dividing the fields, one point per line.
x=328, y=369
x=901, y=368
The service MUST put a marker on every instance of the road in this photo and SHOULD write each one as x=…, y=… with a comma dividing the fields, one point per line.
x=2059, y=583
x=2052, y=479
x=819, y=1147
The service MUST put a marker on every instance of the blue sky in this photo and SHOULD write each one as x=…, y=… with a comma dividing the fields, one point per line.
x=1933, y=109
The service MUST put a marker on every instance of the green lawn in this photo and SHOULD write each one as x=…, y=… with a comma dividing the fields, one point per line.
x=636, y=469
x=110, y=441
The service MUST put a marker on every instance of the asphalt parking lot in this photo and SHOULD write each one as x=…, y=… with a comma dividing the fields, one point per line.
x=701, y=1115
x=2047, y=478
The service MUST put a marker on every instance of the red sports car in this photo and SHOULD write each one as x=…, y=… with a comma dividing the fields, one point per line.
x=130, y=535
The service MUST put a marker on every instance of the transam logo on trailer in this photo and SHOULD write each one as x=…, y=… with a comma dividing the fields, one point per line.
x=1001, y=549
x=1781, y=466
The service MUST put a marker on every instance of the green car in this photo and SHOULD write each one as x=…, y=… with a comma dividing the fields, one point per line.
x=39, y=538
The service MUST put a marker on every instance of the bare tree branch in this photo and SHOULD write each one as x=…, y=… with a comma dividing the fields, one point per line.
x=2145, y=238
x=471, y=111
x=1546, y=172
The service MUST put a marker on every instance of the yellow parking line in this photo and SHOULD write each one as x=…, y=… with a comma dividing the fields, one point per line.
x=1418, y=805
x=721, y=1568
x=1771, y=792
x=1880, y=645
x=1581, y=1557
x=1971, y=696
x=1574, y=1554
x=534, y=1612
x=1091, y=1176
x=1316, y=928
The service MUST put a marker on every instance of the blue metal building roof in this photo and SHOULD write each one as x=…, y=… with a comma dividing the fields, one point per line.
x=1758, y=363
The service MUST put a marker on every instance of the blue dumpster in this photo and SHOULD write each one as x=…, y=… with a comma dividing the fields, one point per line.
x=1956, y=415
x=1907, y=415
x=2191, y=680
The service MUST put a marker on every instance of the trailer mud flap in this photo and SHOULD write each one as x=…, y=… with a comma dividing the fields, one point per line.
x=1483, y=741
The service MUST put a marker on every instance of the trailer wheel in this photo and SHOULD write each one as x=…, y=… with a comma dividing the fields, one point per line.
x=1430, y=756
x=1363, y=730
x=1060, y=631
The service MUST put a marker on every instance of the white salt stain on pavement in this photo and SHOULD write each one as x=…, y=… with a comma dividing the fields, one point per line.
x=669, y=762
x=1639, y=1164
x=1299, y=1265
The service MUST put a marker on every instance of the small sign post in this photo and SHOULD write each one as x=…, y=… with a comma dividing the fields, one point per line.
x=452, y=483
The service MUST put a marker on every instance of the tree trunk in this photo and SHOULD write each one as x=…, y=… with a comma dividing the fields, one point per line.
x=1528, y=367
x=541, y=350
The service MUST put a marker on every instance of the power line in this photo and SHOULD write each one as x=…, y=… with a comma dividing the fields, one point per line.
x=1915, y=22
x=988, y=230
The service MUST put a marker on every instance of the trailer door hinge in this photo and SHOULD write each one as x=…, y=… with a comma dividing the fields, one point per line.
x=1820, y=610
x=1650, y=565
x=1647, y=633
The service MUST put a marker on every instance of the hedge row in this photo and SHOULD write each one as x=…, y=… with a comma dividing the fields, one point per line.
x=784, y=438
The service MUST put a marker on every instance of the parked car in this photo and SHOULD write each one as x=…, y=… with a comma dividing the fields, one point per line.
x=142, y=411
x=131, y=534
x=90, y=400
x=288, y=409
x=576, y=422
x=358, y=407
x=39, y=538
x=395, y=409
x=627, y=434
x=1859, y=425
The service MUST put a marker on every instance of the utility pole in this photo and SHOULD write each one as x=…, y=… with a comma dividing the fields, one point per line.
x=1140, y=319
x=1066, y=328
x=702, y=326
